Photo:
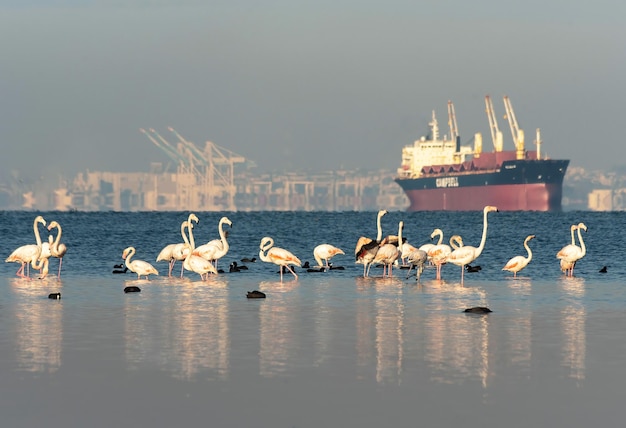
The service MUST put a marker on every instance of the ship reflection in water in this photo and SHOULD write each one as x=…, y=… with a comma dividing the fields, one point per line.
x=388, y=331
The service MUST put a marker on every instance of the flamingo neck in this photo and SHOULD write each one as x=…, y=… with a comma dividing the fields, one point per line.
x=379, y=227
x=223, y=235
x=582, y=243
x=439, y=233
x=36, y=230
x=400, y=227
x=484, y=237
x=530, y=253
x=131, y=253
x=269, y=243
x=57, y=240
x=191, y=242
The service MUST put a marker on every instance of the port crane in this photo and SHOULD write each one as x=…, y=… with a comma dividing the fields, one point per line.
x=516, y=132
x=454, y=130
x=205, y=178
x=496, y=134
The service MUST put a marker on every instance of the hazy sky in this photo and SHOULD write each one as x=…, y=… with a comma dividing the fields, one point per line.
x=303, y=84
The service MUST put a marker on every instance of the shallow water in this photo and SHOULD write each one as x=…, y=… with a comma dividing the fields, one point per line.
x=329, y=349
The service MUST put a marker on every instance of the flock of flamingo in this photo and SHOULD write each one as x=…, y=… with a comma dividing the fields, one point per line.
x=390, y=251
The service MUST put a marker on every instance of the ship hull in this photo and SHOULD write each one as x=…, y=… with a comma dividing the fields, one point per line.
x=525, y=185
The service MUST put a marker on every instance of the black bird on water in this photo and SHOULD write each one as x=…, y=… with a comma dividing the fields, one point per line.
x=470, y=268
x=256, y=294
x=120, y=270
x=132, y=289
x=55, y=296
x=247, y=260
x=478, y=310
x=603, y=270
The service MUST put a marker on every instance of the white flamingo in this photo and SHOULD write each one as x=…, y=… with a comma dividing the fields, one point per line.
x=388, y=253
x=438, y=254
x=518, y=263
x=324, y=252
x=192, y=262
x=570, y=254
x=366, y=248
x=566, y=266
x=140, y=267
x=175, y=252
x=467, y=254
x=216, y=248
x=279, y=256
x=57, y=248
x=416, y=258
x=28, y=253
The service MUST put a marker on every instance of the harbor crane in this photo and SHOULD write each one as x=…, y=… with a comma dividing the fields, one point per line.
x=516, y=132
x=454, y=130
x=205, y=178
x=496, y=134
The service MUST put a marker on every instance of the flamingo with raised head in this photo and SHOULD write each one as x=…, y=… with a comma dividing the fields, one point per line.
x=571, y=253
x=438, y=254
x=193, y=262
x=388, y=252
x=518, y=263
x=366, y=248
x=467, y=254
x=29, y=253
x=140, y=267
x=175, y=252
x=279, y=256
x=57, y=248
x=216, y=248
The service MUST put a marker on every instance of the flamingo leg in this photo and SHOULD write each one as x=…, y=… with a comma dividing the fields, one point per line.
x=60, y=264
x=182, y=268
x=292, y=271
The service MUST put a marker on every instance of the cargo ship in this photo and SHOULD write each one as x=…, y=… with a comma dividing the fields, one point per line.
x=439, y=174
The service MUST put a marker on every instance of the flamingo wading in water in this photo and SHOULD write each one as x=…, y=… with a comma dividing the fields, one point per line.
x=140, y=267
x=57, y=248
x=366, y=248
x=28, y=253
x=571, y=253
x=518, y=263
x=324, y=252
x=467, y=254
x=279, y=256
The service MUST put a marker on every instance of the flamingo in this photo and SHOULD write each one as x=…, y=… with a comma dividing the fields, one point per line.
x=192, y=261
x=388, y=252
x=28, y=253
x=140, y=267
x=325, y=252
x=278, y=256
x=44, y=257
x=566, y=266
x=467, y=254
x=57, y=248
x=518, y=263
x=216, y=248
x=175, y=252
x=429, y=246
x=570, y=254
x=366, y=248
x=405, y=250
x=416, y=258
x=439, y=253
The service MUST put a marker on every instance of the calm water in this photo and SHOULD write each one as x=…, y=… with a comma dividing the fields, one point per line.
x=328, y=350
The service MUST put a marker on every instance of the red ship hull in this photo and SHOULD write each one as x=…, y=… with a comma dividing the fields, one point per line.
x=507, y=197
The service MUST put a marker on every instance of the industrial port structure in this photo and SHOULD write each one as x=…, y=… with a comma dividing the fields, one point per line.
x=211, y=178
